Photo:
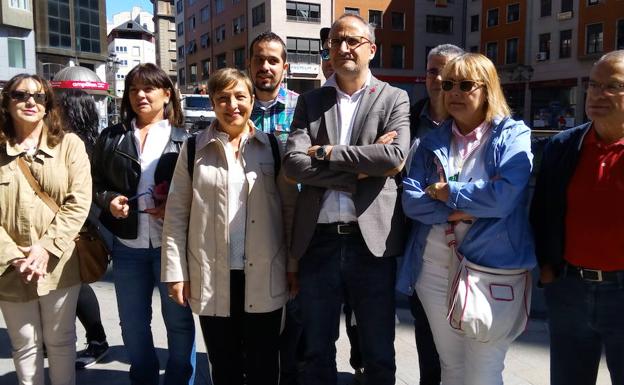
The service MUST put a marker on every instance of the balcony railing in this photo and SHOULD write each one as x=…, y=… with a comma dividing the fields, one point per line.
x=304, y=19
x=307, y=58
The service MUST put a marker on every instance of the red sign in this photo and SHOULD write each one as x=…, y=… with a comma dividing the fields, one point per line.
x=99, y=86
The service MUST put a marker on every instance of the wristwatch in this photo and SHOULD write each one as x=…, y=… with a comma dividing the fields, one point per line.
x=320, y=153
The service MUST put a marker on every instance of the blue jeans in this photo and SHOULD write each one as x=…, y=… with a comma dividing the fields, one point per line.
x=338, y=267
x=135, y=273
x=584, y=318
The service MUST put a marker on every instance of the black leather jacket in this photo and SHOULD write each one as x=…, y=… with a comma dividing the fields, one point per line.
x=116, y=171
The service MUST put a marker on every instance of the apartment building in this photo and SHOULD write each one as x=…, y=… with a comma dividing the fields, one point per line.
x=130, y=44
x=165, y=32
x=17, y=39
x=69, y=33
x=142, y=17
x=544, y=74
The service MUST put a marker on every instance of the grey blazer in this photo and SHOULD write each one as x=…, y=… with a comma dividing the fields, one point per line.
x=382, y=109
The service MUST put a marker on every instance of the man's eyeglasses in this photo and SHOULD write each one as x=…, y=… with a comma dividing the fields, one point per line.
x=352, y=41
x=464, y=85
x=325, y=54
x=433, y=72
x=611, y=89
x=23, y=96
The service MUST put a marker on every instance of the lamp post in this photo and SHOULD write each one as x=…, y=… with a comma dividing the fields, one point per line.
x=112, y=64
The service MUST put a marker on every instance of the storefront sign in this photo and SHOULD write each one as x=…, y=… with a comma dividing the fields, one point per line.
x=83, y=85
x=302, y=68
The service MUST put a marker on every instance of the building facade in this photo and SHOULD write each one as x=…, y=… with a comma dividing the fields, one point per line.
x=144, y=18
x=69, y=33
x=165, y=32
x=129, y=44
x=17, y=39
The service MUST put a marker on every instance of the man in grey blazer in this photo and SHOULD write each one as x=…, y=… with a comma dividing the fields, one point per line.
x=348, y=141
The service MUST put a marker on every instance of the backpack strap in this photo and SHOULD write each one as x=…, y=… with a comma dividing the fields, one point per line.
x=190, y=155
x=277, y=159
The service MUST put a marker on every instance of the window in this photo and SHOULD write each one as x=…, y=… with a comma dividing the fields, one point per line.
x=376, y=62
x=544, y=46
x=181, y=77
x=121, y=48
x=181, y=52
x=17, y=55
x=180, y=28
x=123, y=63
x=619, y=39
x=492, y=17
x=191, y=47
x=136, y=51
x=205, y=69
x=191, y=23
x=173, y=64
x=439, y=24
x=594, y=39
x=593, y=2
x=219, y=6
x=239, y=58
x=59, y=34
x=565, y=44
x=172, y=26
x=193, y=73
x=474, y=23
x=375, y=18
x=352, y=11
x=511, y=51
x=180, y=6
x=308, y=12
x=204, y=14
x=220, y=33
x=172, y=45
x=19, y=4
x=545, y=8
x=398, y=21
x=302, y=50
x=204, y=40
x=491, y=51
x=398, y=56
x=567, y=5
x=474, y=48
x=513, y=12
x=238, y=24
x=121, y=76
x=221, y=63
x=257, y=15
x=87, y=26
x=191, y=2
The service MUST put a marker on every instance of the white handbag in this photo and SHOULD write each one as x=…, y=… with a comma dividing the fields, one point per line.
x=484, y=303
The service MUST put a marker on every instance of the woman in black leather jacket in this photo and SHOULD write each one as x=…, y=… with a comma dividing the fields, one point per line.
x=132, y=167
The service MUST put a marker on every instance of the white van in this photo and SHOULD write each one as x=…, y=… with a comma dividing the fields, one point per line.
x=198, y=113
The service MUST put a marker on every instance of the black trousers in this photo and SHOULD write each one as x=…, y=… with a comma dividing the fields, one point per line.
x=428, y=359
x=88, y=312
x=242, y=348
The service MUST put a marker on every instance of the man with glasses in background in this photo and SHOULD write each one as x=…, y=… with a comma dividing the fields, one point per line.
x=426, y=115
x=578, y=221
x=348, y=140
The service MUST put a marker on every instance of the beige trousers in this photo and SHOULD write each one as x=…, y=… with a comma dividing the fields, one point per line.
x=49, y=320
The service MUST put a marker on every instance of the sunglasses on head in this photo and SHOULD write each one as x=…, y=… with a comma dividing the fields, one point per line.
x=464, y=85
x=23, y=96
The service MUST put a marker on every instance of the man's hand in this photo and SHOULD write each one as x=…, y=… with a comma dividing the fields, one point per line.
x=157, y=212
x=459, y=215
x=439, y=191
x=387, y=138
x=312, y=151
x=293, y=284
x=179, y=292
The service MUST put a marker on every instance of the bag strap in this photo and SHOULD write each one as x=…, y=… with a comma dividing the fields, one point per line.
x=277, y=159
x=21, y=163
x=190, y=155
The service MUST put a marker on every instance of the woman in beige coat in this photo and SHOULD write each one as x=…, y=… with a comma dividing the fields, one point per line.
x=39, y=276
x=225, y=249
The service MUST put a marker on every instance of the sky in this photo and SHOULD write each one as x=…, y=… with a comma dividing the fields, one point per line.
x=116, y=6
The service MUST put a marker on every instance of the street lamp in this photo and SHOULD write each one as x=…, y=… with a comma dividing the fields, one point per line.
x=112, y=64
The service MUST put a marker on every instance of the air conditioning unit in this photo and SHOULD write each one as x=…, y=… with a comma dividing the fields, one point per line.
x=541, y=56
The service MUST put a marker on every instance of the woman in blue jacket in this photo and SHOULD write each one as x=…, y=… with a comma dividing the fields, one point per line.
x=473, y=173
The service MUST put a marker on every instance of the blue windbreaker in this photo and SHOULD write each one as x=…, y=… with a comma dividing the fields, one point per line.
x=500, y=236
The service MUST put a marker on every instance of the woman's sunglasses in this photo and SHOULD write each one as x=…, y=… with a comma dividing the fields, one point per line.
x=464, y=85
x=23, y=96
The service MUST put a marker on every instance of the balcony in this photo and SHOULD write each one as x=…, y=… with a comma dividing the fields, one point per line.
x=303, y=19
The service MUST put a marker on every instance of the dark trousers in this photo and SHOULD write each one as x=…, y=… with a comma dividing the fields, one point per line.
x=428, y=359
x=585, y=318
x=88, y=312
x=355, y=356
x=336, y=267
x=242, y=348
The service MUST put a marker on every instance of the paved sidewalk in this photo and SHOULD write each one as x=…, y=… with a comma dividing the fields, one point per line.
x=526, y=363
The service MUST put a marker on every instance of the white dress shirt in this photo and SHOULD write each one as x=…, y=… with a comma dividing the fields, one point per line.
x=149, y=228
x=237, y=192
x=337, y=206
